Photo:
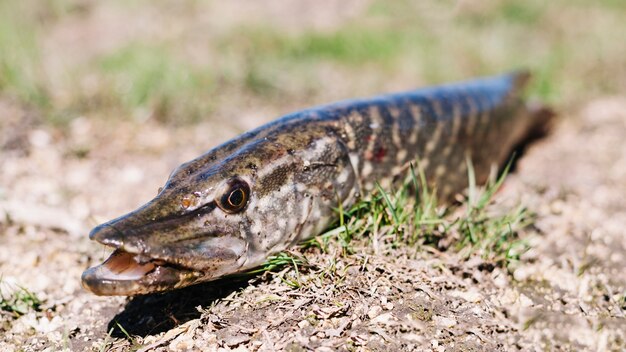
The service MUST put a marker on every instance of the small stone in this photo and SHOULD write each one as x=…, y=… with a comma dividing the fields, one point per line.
x=412, y=337
x=182, y=343
x=383, y=319
x=236, y=340
x=509, y=297
x=500, y=279
x=39, y=138
x=470, y=296
x=210, y=339
x=525, y=301
x=374, y=311
x=304, y=324
x=522, y=273
x=444, y=321
x=324, y=349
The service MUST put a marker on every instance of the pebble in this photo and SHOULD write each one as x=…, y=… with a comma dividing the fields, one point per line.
x=304, y=324
x=525, y=301
x=182, y=343
x=444, y=321
x=470, y=296
x=374, y=311
x=384, y=319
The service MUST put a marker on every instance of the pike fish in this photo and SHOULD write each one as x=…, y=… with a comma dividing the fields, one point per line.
x=229, y=209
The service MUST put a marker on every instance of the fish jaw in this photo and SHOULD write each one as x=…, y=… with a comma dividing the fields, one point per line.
x=129, y=274
x=142, y=263
x=123, y=274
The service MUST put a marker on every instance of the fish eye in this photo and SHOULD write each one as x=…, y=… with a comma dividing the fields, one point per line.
x=236, y=196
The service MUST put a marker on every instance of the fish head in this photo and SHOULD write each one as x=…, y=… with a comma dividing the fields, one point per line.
x=216, y=215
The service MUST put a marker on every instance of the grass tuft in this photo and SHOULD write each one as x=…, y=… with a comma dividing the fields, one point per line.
x=277, y=264
x=18, y=301
x=411, y=216
x=481, y=230
x=106, y=343
x=279, y=261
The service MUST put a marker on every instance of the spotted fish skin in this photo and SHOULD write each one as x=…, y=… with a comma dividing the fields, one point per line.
x=292, y=173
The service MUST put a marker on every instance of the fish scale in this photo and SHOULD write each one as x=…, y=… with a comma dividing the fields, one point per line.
x=255, y=195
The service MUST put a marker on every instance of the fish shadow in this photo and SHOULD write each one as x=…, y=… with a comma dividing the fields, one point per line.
x=155, y=313
x=546, y=121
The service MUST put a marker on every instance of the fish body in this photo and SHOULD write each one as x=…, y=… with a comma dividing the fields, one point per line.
x=229, y=209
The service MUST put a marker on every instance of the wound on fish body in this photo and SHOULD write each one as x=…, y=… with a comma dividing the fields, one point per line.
x=229, y=209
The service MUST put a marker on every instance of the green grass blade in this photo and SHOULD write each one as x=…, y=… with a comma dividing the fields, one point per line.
x=392, y=209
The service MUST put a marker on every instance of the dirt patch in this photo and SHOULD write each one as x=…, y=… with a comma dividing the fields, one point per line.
x=73, y=155
x=566, y=293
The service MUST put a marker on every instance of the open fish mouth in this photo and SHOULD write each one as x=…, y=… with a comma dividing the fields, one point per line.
x=125, y=273
x=138, y=266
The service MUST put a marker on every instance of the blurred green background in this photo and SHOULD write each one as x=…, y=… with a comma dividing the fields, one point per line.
x=179, y=62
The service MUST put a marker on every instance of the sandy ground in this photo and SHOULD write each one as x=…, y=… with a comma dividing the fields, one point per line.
x=566, y=294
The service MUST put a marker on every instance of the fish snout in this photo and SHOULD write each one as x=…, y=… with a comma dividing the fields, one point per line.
x=107, y=234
